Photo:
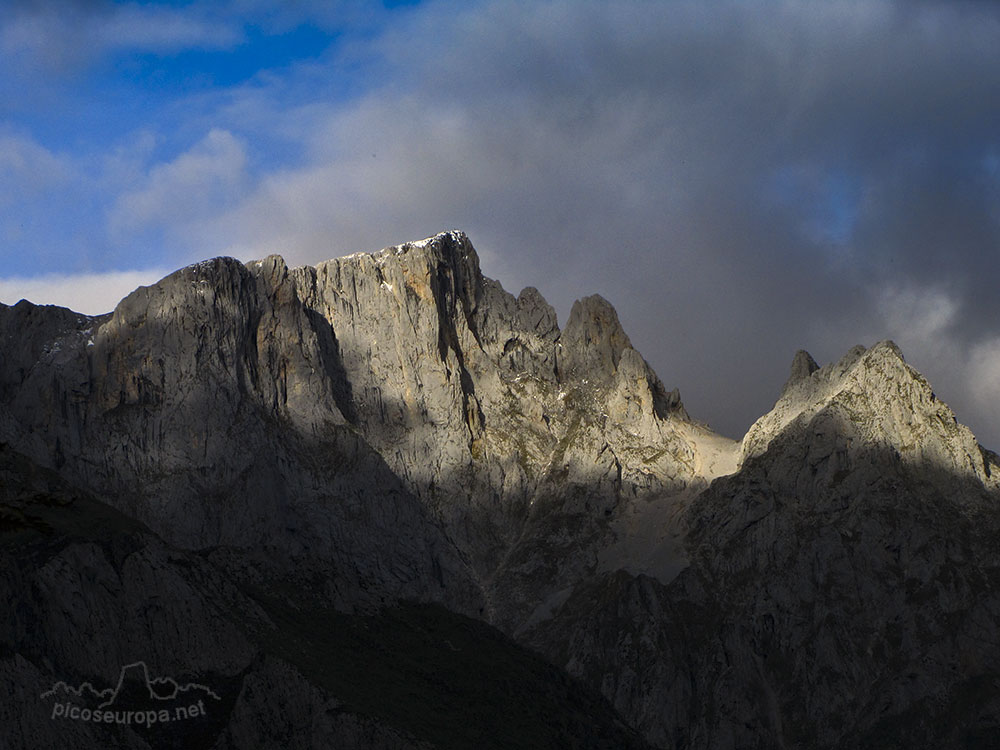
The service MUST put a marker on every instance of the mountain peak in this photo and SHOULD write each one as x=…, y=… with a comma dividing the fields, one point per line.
x=803, y=365
x=881, y=400
x=593, y=340
x=451, y=239
x=452, y=249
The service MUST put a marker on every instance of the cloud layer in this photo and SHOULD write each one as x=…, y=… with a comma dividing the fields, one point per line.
x=88, y=293
x=740, y=180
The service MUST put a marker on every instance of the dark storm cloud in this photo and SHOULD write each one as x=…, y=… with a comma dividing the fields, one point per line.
x=740, y=178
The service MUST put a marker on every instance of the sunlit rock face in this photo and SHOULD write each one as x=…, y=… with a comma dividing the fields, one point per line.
x=870, y=400
x=396, y=427
x=241, y=405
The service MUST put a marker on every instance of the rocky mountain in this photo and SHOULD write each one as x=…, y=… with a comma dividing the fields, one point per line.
x=384, y=503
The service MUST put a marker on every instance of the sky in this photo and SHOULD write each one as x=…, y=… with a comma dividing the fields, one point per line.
x=740, y=179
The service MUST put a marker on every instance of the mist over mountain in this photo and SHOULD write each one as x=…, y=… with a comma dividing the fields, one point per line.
x=382, y=502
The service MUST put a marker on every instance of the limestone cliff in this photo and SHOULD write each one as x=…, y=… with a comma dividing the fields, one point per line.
x=373, y=450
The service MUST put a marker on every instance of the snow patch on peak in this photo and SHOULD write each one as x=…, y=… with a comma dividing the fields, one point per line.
x=455, y=235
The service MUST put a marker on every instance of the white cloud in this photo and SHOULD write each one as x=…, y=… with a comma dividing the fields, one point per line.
x=63, y=36
x=91, y=294
x=198, y=184
x=27, y=167
x=163, y=30
x=918, y=314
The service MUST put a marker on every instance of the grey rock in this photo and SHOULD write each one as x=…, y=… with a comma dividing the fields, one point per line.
x=803, y=365
x=304, y=445
x=593, y=340
x=535, y=315
x=90, y=591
